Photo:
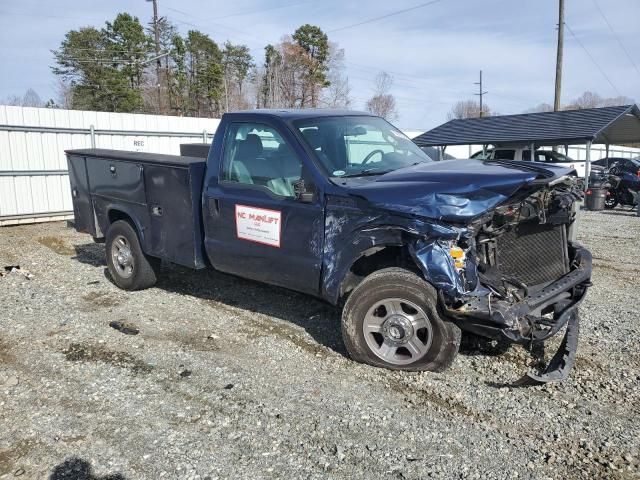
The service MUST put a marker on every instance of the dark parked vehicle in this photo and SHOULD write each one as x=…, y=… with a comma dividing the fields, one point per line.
x=343, y=206
x=625, y=183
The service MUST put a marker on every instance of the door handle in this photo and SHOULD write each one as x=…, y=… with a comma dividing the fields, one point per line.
x=214, y=206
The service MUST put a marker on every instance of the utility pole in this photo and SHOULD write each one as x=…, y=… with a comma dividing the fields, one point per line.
x=156, y=34
x=556, y=101
x=481, y=94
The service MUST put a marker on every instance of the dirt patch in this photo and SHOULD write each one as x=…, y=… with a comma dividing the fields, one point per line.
x=101, y=299
x=5, y=354
x=10, y=456
x=57, y=245
x=260, y=327
x=77, y=352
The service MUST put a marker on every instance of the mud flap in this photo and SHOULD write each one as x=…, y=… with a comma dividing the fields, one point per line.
x=562, y=362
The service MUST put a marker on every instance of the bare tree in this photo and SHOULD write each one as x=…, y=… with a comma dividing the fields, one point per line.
x=383, y=103
x=338, y=93
x=468, y=109
x=29, y=99
x=586, y=100
x=541, y=107
x=64, y=94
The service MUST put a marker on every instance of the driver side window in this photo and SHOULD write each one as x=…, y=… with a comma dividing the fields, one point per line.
x=369, y=146
x=256, y=154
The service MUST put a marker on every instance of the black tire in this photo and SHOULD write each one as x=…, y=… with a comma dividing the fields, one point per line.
x=398, y=285
x=611, y=201
x=143, y=271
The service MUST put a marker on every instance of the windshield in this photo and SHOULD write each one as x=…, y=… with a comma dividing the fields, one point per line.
x=354, y=146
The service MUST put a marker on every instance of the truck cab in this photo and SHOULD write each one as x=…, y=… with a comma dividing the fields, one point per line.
x=341, y=205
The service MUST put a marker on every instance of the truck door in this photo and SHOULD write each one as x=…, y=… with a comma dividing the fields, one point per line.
x=255, y=226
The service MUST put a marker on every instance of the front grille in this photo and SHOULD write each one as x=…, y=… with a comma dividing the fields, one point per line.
x=533, y=253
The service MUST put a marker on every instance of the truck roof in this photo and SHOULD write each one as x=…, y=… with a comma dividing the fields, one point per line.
x=300, y=113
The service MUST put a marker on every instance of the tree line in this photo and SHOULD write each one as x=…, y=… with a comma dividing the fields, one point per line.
x=115, y=68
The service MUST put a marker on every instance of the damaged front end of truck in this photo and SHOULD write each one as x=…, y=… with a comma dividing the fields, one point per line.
x=498, y=251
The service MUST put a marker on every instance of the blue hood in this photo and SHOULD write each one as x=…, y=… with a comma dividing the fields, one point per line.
x=455, y=190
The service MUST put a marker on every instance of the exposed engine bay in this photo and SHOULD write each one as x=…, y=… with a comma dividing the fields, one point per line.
x=523, y=275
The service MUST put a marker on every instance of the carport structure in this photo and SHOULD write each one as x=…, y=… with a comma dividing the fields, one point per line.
x=618, y=125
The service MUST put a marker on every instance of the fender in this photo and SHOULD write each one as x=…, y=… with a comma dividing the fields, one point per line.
x=104, y=208
x=351, y=233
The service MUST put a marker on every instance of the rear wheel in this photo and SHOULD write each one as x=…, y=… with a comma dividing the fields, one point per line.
x=391, y=320
x=129, y=267
x=611, y=200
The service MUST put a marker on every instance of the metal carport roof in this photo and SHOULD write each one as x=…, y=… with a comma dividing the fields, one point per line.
x=608, y=125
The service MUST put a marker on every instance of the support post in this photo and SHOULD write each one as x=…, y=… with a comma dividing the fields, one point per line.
x=156, y=35
x=484, y=151
x=533, y=149
x=587, y=166
x=607, y=154
x=92, y=133
x=559, y=54
x=204, y=136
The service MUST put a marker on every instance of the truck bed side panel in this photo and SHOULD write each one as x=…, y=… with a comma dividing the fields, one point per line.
x=161, y=194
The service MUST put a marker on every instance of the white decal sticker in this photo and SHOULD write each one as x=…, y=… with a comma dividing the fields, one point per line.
x=258, y=225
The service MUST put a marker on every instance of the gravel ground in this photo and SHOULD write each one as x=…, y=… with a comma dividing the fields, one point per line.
x=227, y=378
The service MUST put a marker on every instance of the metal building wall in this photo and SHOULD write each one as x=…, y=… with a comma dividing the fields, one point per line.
x=34, y=185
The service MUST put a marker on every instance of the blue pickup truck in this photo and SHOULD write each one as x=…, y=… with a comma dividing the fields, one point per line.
x=341, y=205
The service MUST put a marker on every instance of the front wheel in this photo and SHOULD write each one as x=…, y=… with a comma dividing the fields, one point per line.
x=129, y=267
x=391, y=320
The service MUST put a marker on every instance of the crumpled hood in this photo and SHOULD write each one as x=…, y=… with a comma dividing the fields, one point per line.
x=454, y=190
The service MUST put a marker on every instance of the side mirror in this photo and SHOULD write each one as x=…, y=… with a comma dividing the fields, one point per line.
x=303, y=192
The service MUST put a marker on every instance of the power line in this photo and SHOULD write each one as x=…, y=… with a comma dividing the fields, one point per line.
x=381, y=17
x=616, y=37
x=254, y=12
x=592, y=59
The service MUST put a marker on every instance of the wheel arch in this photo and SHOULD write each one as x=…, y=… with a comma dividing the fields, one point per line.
x=121, y=212
x=373, y=259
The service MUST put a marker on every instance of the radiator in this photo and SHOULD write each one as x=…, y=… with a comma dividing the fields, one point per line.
x=533, y=253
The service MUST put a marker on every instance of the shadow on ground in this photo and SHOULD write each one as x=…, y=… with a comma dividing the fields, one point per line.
x=620, y=212
x=78, y=469
x=318, y=318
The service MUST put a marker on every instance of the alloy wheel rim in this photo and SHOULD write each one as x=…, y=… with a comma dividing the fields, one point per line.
x=122, y=257
x=397, y=331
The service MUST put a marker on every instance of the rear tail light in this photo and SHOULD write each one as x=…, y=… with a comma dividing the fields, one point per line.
x=588, y=192
x=638, y=173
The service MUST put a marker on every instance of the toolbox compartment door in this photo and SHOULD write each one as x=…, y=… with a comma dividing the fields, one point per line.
x=117, y=180
x=84, y=217
x=175, y=221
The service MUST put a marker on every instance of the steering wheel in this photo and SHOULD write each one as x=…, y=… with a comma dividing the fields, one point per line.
x=370, y=156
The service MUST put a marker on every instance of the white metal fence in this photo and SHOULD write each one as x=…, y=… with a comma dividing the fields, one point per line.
x=34, y=185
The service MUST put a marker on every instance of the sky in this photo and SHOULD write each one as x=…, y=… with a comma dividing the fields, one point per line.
x=434, y=53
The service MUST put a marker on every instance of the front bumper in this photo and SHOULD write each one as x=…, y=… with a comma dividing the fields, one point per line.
x=535, y=318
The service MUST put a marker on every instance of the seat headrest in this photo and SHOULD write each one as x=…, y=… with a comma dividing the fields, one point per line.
x=252, y=146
